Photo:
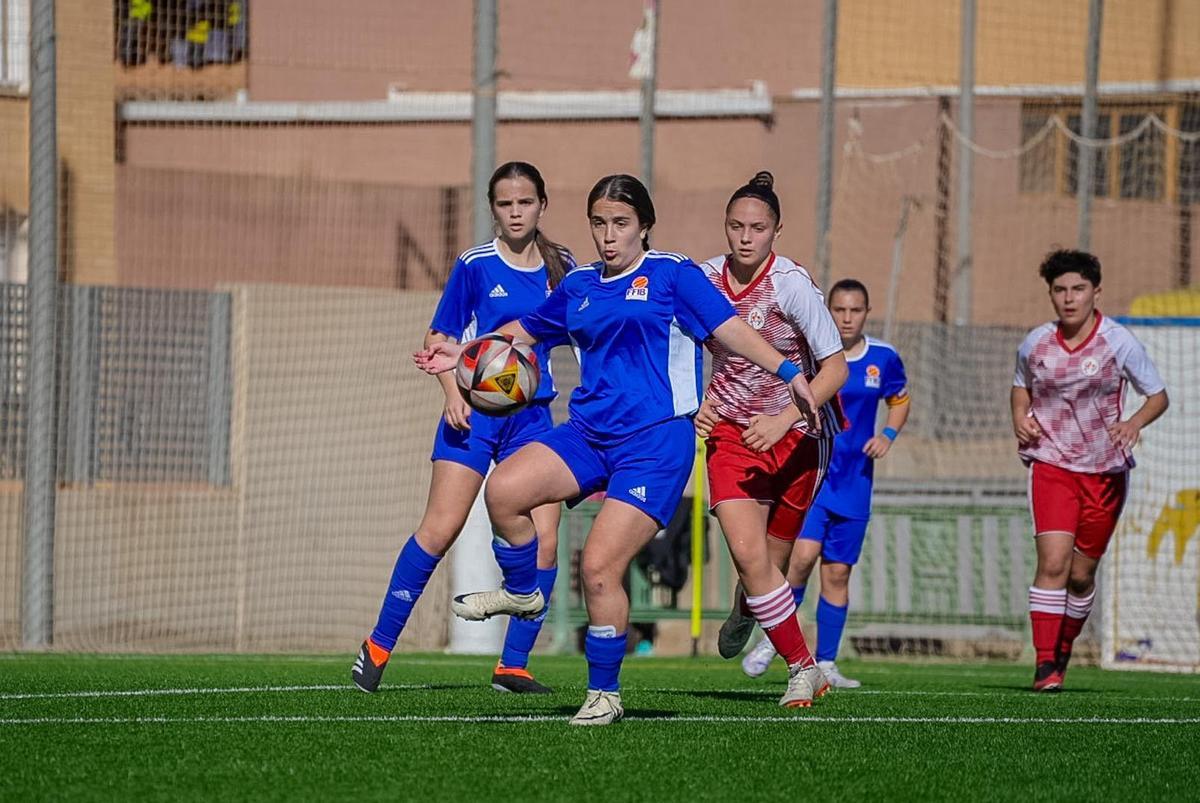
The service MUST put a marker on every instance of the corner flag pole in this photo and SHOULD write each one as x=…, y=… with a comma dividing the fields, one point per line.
x=699, y=527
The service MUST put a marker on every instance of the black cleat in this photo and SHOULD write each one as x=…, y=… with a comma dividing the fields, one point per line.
x=517, y=681
x=365, y=673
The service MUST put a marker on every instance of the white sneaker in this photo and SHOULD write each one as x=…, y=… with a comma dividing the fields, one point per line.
x=758, y=660
x=735, y=630
x=600, y=708
x=836, y=679
x=482, y=605
x=805, y=684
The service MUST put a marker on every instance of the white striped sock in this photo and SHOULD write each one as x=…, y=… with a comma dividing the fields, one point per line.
x=1080, y=607
x=773, y=608
x=1045, y=600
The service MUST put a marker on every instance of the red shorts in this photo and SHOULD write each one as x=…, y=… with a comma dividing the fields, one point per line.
x=1085, y=505
x=787, y=476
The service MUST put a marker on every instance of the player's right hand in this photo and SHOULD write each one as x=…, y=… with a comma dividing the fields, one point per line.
x=804, y=400
x=438, y=357
x=1027, y=430
x=457, y=412
x=706, y=418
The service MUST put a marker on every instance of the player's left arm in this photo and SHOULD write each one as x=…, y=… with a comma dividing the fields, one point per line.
x=1125, y=433
x=1139, y=369
x=895, y=395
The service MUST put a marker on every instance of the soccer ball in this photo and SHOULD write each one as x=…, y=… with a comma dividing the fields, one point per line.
x=496, y=375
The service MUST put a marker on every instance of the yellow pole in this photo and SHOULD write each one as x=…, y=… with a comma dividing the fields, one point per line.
x=699, y=529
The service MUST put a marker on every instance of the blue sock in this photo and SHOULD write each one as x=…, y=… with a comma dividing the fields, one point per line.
x=522, y=633
x=518, y=564
x=413, y=569
x=604, y=650
x=798, y=594
x=831, y=621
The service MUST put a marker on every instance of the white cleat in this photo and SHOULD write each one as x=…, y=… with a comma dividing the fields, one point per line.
x=836, y=679
x=735, y=630
x=758, y=660
x=482, y=605
x=805, y=684
x=600, y=708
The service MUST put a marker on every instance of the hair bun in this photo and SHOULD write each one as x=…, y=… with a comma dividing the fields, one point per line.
x=763, y=178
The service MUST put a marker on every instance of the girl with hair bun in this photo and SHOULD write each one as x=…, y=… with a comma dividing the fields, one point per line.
x=765, y=462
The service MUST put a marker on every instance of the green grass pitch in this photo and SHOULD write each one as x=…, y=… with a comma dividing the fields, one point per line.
x=292, y=728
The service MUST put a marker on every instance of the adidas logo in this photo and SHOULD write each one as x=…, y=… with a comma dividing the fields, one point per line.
x=402, y=594
x=498, y=292
x=584, y=305
x=638, y=493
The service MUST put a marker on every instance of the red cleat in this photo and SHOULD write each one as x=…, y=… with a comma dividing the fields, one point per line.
x=1048, y=678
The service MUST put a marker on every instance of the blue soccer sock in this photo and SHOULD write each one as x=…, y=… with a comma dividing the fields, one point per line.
x=522, y=633
x=798, y=594
x=413, y=569
x=604, y=649
x=518, y=564
x=831, y=621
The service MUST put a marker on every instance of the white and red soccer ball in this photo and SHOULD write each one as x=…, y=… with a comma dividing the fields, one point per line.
x=497, y=375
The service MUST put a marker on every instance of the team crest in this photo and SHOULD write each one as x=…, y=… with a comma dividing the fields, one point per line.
x=872, y=378
x=639, y=289
x=757, y=318
x=1090, y=366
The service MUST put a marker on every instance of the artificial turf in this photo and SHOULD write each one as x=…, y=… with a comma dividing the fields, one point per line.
x=293, y=728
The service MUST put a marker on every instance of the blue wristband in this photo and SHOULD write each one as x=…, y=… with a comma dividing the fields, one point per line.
x=889, y=433
x=787, y=371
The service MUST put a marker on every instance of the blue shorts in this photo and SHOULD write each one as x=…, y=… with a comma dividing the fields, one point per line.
x=491, y=439
x=841, y=538
x=648, y=469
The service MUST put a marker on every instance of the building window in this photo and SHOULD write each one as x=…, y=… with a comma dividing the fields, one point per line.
x=186, y=33
x=14, y=44
x=1139, y=162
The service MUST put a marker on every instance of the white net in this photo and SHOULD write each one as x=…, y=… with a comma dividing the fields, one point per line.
x=261, y=201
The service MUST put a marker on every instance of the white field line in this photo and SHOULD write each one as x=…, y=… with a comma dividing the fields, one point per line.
x=190, y=691
x=401, y=719
x=764, y=692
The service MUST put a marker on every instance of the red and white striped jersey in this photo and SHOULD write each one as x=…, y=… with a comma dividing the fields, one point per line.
x=787, y=308
x=1076, y=394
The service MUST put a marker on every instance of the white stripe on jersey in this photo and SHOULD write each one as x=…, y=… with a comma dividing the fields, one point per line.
x=681, y=371
x=472, y=254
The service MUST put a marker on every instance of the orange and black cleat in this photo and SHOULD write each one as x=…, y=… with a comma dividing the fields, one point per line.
x=368, y=666
x=517, y=681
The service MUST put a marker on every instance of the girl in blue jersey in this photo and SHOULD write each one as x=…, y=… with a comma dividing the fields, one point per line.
x=636, y=317
x=490, y=285
x=836, y=526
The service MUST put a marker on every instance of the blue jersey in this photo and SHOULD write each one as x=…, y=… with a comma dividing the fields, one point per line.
x=876, y=373
x=638, y=336
x=485, y=292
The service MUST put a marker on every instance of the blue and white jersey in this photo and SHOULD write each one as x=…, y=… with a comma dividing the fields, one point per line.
x=485, y=292
x=875, y=374
x=638, y=336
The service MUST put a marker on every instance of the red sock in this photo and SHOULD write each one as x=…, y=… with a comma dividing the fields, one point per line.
x=788, y=641
x=1046, y=610
x=776, y=613
x=1076, y=615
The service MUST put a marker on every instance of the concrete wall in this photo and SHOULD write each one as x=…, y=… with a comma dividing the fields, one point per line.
x=330, y=464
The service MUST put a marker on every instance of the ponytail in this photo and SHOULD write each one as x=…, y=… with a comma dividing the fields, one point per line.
x=552, y=256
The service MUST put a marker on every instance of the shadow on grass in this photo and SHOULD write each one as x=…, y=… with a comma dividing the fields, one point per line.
x=1024, y=688
x=636, y=713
